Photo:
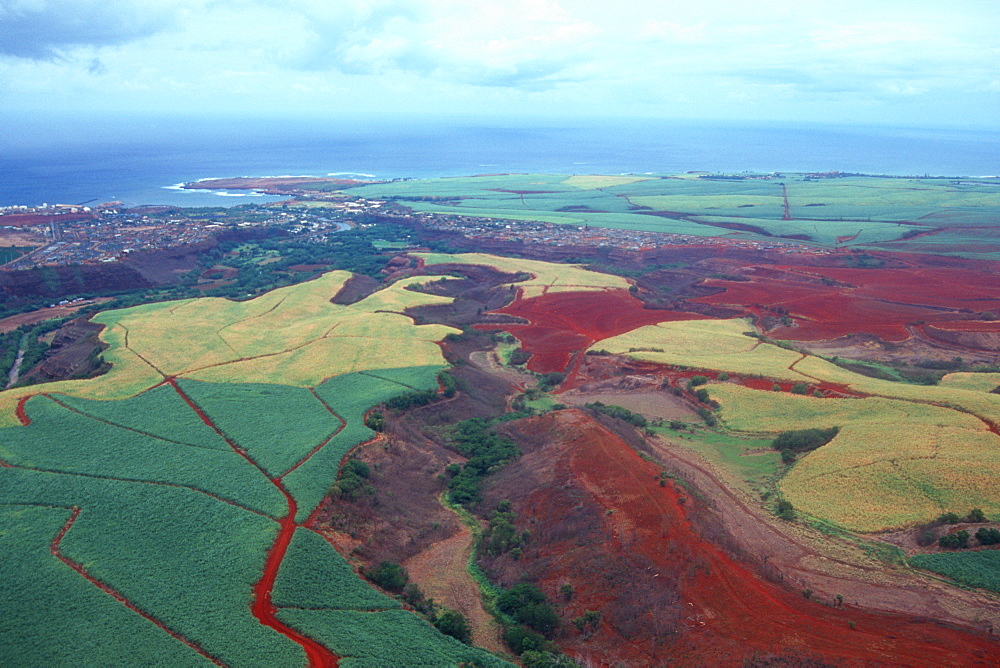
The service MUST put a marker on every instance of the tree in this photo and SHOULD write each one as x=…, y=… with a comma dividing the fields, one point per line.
x=786, y=510
x=390, y=576
x=988, y=536
x=697, y=380
x=955, y=541
x=976, y=516
x=454, y=624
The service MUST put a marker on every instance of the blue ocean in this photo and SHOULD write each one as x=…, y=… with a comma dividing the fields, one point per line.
x=74, y=160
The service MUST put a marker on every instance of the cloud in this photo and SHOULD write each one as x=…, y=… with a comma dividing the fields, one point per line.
x=42, y=29
x=669, y=31
x=774, y=75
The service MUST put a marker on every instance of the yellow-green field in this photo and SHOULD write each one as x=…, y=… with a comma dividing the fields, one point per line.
x=905, y=455
x=893, y=463
x=291, y=336
x=719, y=345
x=546, y=276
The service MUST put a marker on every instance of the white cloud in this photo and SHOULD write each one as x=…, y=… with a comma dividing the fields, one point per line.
x=564, y=56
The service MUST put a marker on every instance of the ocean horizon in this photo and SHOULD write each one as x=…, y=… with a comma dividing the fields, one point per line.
x=145, y=162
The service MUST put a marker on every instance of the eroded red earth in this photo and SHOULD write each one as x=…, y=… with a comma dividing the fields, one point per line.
x=562, y=324
x=830, y=302
x=602, y=522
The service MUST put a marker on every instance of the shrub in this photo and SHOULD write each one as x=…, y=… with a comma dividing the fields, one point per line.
x=390, y=576
x=800, y=388
x=567, y=591
x=976, y=516
x=786, y=510
x=787, y=456
x=955, y=541
x=948, y=518
x=926, y=538
x=375, y=421
x=519, y=357
x=697, y=380
x=448, y=384
x=988, y=536
x=702, y=395
x=521, y=639
x=551, y=380
x=619, y=412
x=804, y=440
x=454, y=624
x=527, y=605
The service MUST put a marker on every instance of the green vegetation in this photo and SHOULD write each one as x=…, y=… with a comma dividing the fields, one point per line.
x=526, y=604
x=862, y=211
x=804, y=440
x=620, y=413
x=275, y=424
x=11, y=253
x=502, y=536
x=975, y=569
x=485, y=450
x=171, y=494
x=313, y=575
x=389, y=638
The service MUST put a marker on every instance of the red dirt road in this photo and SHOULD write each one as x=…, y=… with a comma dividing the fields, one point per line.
x=712, y=610
x=564, y=323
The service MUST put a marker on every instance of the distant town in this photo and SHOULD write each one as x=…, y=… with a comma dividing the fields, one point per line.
x=68, y=234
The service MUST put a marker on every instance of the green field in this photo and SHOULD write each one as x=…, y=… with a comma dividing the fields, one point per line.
x=136, y=518
x=11, y=253
x=961, y=215
x=975, y=569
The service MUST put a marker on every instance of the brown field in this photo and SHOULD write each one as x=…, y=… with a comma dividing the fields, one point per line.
x=34, y=317
x=21, y=237
x=651, y=403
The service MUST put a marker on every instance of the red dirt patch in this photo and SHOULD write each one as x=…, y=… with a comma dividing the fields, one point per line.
x=30, y=219
x=597, y=510
x=564, y=323
x=829, y=302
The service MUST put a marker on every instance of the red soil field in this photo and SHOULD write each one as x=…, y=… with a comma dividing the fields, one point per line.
x=29, y=219
x=881, y=302
x=564, y=323
x=692, y=604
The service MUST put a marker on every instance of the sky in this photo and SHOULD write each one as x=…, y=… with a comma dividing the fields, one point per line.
x=883, y=62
